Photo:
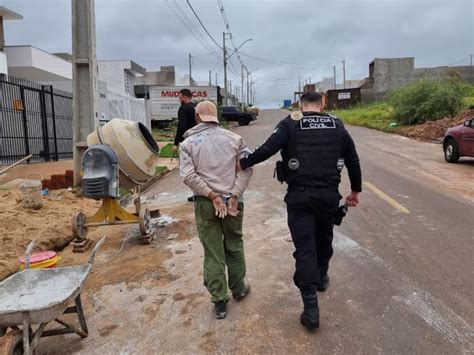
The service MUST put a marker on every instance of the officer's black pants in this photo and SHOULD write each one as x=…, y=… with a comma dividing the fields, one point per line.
x=310, y=219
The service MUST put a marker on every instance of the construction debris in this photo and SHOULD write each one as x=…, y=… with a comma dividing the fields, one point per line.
x=433, y=131
x=3, y=171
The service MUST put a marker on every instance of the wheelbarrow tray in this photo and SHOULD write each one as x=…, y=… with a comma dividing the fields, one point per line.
x=43, y=293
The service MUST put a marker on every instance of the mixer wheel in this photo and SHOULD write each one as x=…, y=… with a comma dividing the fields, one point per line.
x=79, y=230
x=144, y=221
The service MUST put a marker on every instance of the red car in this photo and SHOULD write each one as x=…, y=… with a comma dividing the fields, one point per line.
x=459, y=141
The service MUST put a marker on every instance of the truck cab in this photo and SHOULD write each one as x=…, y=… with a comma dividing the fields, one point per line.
x=232, y=113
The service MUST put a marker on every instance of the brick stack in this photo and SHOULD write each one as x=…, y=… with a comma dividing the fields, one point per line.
x=59, y=181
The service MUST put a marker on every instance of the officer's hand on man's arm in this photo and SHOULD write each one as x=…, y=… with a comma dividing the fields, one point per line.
x=353, y=199
x=174, y=149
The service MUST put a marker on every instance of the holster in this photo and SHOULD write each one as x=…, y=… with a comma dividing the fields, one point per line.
x=340, y=214
x=280, y=172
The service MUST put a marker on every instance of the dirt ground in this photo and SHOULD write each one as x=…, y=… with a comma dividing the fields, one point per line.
x=50, y=225
x=144, y=263
x=45, y=170
x=433, y=131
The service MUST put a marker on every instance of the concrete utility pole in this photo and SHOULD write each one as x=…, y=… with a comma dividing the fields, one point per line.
x=226, y=101
x=334, y=68
x=216, y=78
x=299, y=88
x=190, y=77
x=254, y=99
x=85, y=93
x=248, y=88
x=242, y=88
x=210, y=74
x=252, y=92
x=2, y=35
x=230, y=88
x=344, y=72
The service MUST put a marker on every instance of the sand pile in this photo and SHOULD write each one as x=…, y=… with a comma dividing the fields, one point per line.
x=50, y=225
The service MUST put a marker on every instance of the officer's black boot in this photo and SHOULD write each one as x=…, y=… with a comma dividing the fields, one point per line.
x=310, y=316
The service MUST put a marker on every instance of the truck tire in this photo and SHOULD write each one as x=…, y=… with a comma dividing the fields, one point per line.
x=451, y=151
x=243, y=120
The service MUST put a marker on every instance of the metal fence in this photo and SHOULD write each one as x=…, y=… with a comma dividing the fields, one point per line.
x=34, y=119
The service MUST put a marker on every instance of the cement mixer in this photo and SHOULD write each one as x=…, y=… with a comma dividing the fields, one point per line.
x=136, y=149
x=120, y=154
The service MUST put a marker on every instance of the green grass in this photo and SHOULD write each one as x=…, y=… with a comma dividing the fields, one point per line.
x=378, y=115
x=224, y=124
x=167, y=152
x=468, y=102
x=160, y=169
x=164, y=135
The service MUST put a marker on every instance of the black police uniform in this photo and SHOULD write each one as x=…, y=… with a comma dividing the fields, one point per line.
x=314, y=150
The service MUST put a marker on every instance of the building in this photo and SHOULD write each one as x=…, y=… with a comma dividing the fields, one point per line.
x=34, y=64
x=387, y=74
x=117, y=81
x=5, y=14
x=328, y=84
x=166, y=76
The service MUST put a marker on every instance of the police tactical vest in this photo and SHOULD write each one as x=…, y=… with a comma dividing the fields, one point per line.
x=311, y=157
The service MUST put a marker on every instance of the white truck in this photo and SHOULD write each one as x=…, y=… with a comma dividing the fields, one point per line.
x=164, y=102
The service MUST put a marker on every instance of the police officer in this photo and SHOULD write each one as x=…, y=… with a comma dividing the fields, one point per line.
x=314, y=148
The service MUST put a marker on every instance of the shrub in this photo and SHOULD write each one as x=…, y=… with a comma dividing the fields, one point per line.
x=427, y=100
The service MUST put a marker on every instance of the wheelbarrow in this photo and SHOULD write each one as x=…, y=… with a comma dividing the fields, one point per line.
x=37, y=298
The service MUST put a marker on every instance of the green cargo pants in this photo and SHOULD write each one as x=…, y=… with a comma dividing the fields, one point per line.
x=223, y=246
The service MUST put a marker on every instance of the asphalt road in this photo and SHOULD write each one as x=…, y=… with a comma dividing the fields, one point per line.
x=402, y=274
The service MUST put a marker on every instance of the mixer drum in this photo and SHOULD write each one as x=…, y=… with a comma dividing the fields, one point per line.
x=136, y=149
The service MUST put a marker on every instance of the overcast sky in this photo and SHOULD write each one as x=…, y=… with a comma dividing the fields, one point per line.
x=292, y=38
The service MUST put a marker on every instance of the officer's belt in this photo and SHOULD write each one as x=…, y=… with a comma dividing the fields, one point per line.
x=310, y=188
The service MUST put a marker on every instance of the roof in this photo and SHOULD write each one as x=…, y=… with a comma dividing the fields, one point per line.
x=8, y=14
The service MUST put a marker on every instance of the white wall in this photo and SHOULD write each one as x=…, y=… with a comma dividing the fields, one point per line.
x=34, y=64
x=182, y=81
x=127, y=108
x=3, y=63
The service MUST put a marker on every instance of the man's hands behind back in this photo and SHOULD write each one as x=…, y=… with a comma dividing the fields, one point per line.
x=233, y=206
x=218, y=203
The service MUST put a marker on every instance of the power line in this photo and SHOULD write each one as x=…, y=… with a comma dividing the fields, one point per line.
x=205, y=54
x=204, y=27
x=227, y=26
x=232, y=67
x=175, y=12
x=188, y=19
x=459, y=61
x=286, y=64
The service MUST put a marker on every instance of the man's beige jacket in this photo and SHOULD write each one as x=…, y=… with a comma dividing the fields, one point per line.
x=208, y=158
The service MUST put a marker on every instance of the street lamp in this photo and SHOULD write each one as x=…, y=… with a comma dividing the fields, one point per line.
x=226, y=57
x=235, y=51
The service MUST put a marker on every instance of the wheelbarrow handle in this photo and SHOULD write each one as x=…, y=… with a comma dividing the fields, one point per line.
x=28, y=252
x=94, y=251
